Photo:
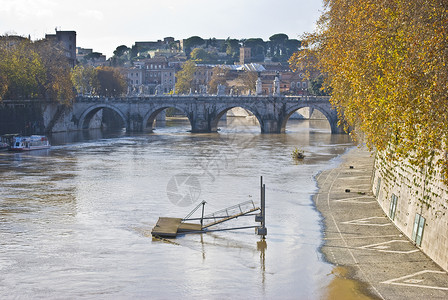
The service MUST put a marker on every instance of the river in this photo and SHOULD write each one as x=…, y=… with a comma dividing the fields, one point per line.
x=76, y=220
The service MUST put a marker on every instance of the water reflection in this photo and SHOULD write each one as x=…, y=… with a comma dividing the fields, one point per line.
x=344, y=288
x=75, y=220
x=261, y=246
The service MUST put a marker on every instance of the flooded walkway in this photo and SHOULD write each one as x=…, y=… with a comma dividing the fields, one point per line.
x=361, y=239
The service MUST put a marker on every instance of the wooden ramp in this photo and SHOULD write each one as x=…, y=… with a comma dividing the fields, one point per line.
x=170, y=227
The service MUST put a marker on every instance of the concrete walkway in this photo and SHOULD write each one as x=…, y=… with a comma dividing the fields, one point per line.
x=360, y=237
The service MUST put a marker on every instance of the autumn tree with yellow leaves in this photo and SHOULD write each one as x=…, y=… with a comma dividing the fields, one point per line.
x=184, y=78
x=34, y=70
x=386, y=63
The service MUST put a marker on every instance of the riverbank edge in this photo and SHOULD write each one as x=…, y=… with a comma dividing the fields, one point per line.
x=350, y=286
x=358, y=235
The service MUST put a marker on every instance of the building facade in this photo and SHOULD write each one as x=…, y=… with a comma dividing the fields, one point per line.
x=67, y=41
x=152, y=76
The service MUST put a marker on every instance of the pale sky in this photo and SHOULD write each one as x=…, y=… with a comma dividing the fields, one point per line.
x=105, y=24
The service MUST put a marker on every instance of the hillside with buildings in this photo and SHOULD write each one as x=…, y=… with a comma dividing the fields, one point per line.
x=150, y=67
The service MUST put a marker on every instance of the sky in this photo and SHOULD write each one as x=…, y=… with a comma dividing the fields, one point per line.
x=106, y=24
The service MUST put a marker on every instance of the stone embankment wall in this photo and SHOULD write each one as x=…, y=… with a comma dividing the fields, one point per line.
x=28, y=117
x=23, y=118
x=66, y=121
x=416, y=200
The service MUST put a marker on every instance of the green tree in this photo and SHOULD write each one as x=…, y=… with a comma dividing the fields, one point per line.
x=121, y=50
x=22, y=70
x=277, y=44
x=386, y=62
x=258, y=48
x=184, y=78
x=57, y=85
x=248, y=79
x=34, y=70
x=3, y=84
x=219, y=76
x=317, y=87
x=110, y=82
x=3, y=79
x=233, y=49
x=291, y=46
x=199, y=55
x=191, y=43
x=84, y=79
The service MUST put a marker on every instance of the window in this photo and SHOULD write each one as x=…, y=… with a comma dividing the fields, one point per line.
x=304, y=85
x=378, y=185
x=417, y=231
x=393, y=206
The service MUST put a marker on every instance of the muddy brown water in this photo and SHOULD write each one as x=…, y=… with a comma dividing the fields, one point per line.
x=75, y=220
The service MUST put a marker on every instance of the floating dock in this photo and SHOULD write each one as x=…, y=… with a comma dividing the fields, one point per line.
x=172, y=227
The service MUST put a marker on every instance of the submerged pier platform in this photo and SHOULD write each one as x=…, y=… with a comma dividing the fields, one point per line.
x=171, y=227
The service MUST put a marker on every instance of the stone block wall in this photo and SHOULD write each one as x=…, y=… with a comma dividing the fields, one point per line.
x=66, y=121
x=416, y=200
x=23, y=118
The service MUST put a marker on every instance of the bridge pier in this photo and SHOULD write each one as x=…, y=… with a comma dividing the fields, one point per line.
x=271, y=126
x=200, y=126
x=336, y=129
x=134, y=123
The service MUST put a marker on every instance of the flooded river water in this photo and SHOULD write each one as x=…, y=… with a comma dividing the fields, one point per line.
x=76, y=220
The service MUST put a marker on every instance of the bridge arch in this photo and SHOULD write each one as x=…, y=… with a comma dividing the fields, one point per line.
x=223, y=110
x=330, y=115
x=89, y=113
x=148, y=119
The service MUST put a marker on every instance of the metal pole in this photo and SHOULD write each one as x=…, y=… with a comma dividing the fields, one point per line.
x=263, y=199
x=202, y=217
x=261, y=218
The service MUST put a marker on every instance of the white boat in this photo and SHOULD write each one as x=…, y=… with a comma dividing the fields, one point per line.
x=4, y=146
x=27, y=143
x=6, y=141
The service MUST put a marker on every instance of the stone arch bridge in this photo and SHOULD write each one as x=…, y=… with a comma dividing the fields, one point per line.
x=203, y=111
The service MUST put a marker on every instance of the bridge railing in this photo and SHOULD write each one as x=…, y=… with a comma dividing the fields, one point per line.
x=199, y=97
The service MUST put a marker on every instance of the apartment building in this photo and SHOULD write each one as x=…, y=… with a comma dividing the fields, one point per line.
x=67, y=40
x=152, y=76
